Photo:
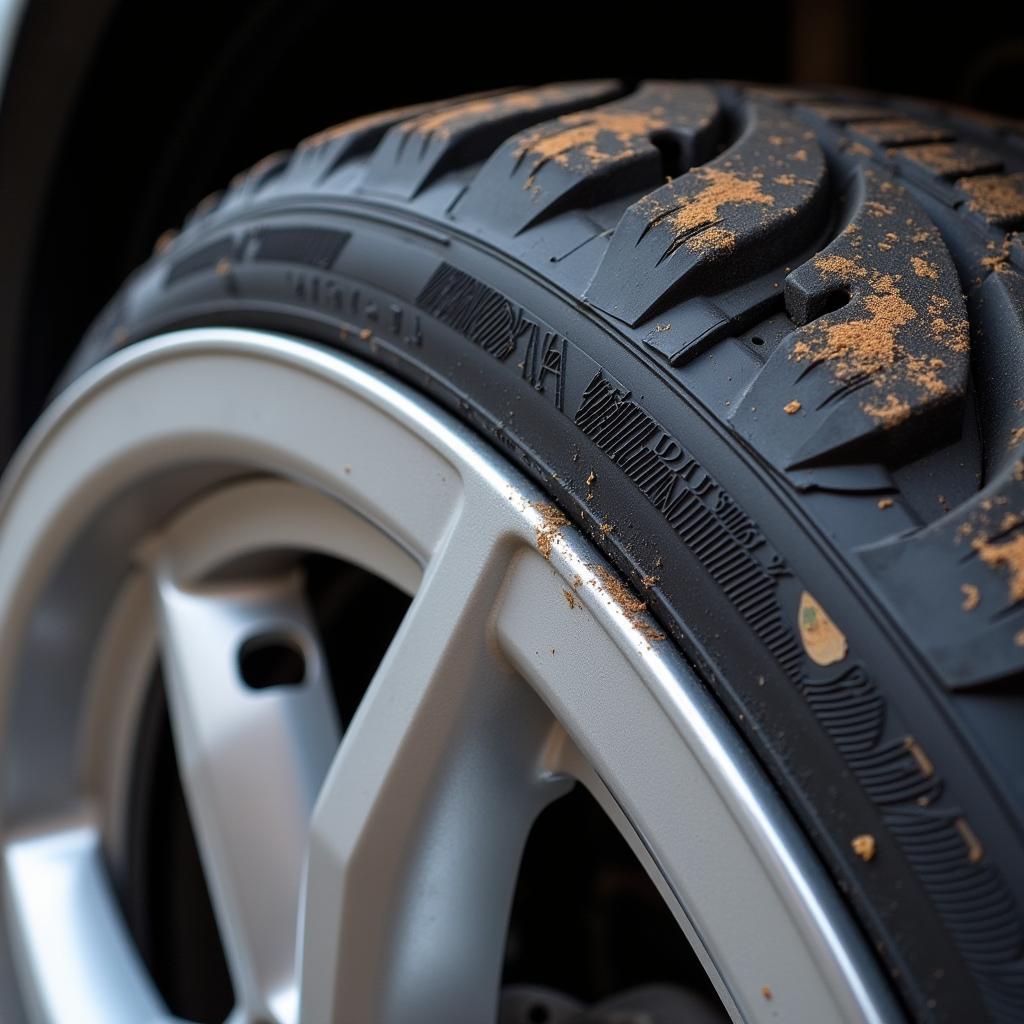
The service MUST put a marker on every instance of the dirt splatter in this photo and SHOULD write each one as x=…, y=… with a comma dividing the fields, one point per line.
x=823, y=640
x=996, y=197
x=942, y=157
x=766, y=992
x=791, y=407
x=442, y=124
x=206, y=204
x=163, y=242
x=591, y=477
x=955, y=336
x=897, y=130
x=864, y=846
x=1009, y=554
x=924, y=762
x=570, y=598
x=696, y=220
x=587, y=140
x=868, y=344
x=552, y=520
x=889, y=413
x=1016, y=436
x=924, y=268
x=223, y=267
x=632, y=607
x=972, y=597
x=975, y=851
x=840, y=266
x=867, y=347
x=998, y=258
x=884, y=503
x=359, y=124
x=876, y=208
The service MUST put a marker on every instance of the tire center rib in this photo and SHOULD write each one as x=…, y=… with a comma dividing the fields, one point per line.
x=372, y=878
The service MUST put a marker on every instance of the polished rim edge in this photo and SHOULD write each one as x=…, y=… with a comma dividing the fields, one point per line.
x=516, y=668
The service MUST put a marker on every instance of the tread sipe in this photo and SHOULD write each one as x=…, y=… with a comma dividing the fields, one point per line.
x=765, y=347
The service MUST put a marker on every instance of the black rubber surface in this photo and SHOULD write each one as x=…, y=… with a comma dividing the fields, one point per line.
x=764, y=347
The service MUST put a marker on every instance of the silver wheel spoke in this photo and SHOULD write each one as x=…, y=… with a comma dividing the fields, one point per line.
x=252, y=761
x=418, y=832
x=57, y=887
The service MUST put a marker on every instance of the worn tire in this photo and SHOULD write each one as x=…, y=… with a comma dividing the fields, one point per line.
x=764, y=347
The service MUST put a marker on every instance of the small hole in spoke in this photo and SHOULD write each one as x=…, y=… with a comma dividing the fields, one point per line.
x=162, y=887
x=271, y=659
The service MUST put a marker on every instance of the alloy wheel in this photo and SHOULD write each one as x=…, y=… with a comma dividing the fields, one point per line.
x=366, y=874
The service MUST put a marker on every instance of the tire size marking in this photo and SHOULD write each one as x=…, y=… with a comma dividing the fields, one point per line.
x=727, y=542
x=497, y=325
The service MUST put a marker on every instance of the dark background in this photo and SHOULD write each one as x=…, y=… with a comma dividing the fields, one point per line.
x=121, y=114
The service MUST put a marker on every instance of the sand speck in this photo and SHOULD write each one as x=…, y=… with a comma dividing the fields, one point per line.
x=552, y=520
x=864, y=846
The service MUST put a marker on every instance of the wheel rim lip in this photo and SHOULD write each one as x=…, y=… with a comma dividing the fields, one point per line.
x=810, y=897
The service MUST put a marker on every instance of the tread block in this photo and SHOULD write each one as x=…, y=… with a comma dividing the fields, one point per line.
x=998, y=199
x=901, y=131
x=875, y=378
x=957, y=586
x=417, y=150
x=846, y=113
x=595, y=155
x=321, y=154
x=263, y=173
x=718, y=224
x=946, y=160
x=785, y=94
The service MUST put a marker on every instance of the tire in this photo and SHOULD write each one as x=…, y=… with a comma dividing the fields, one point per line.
x=762, y=346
